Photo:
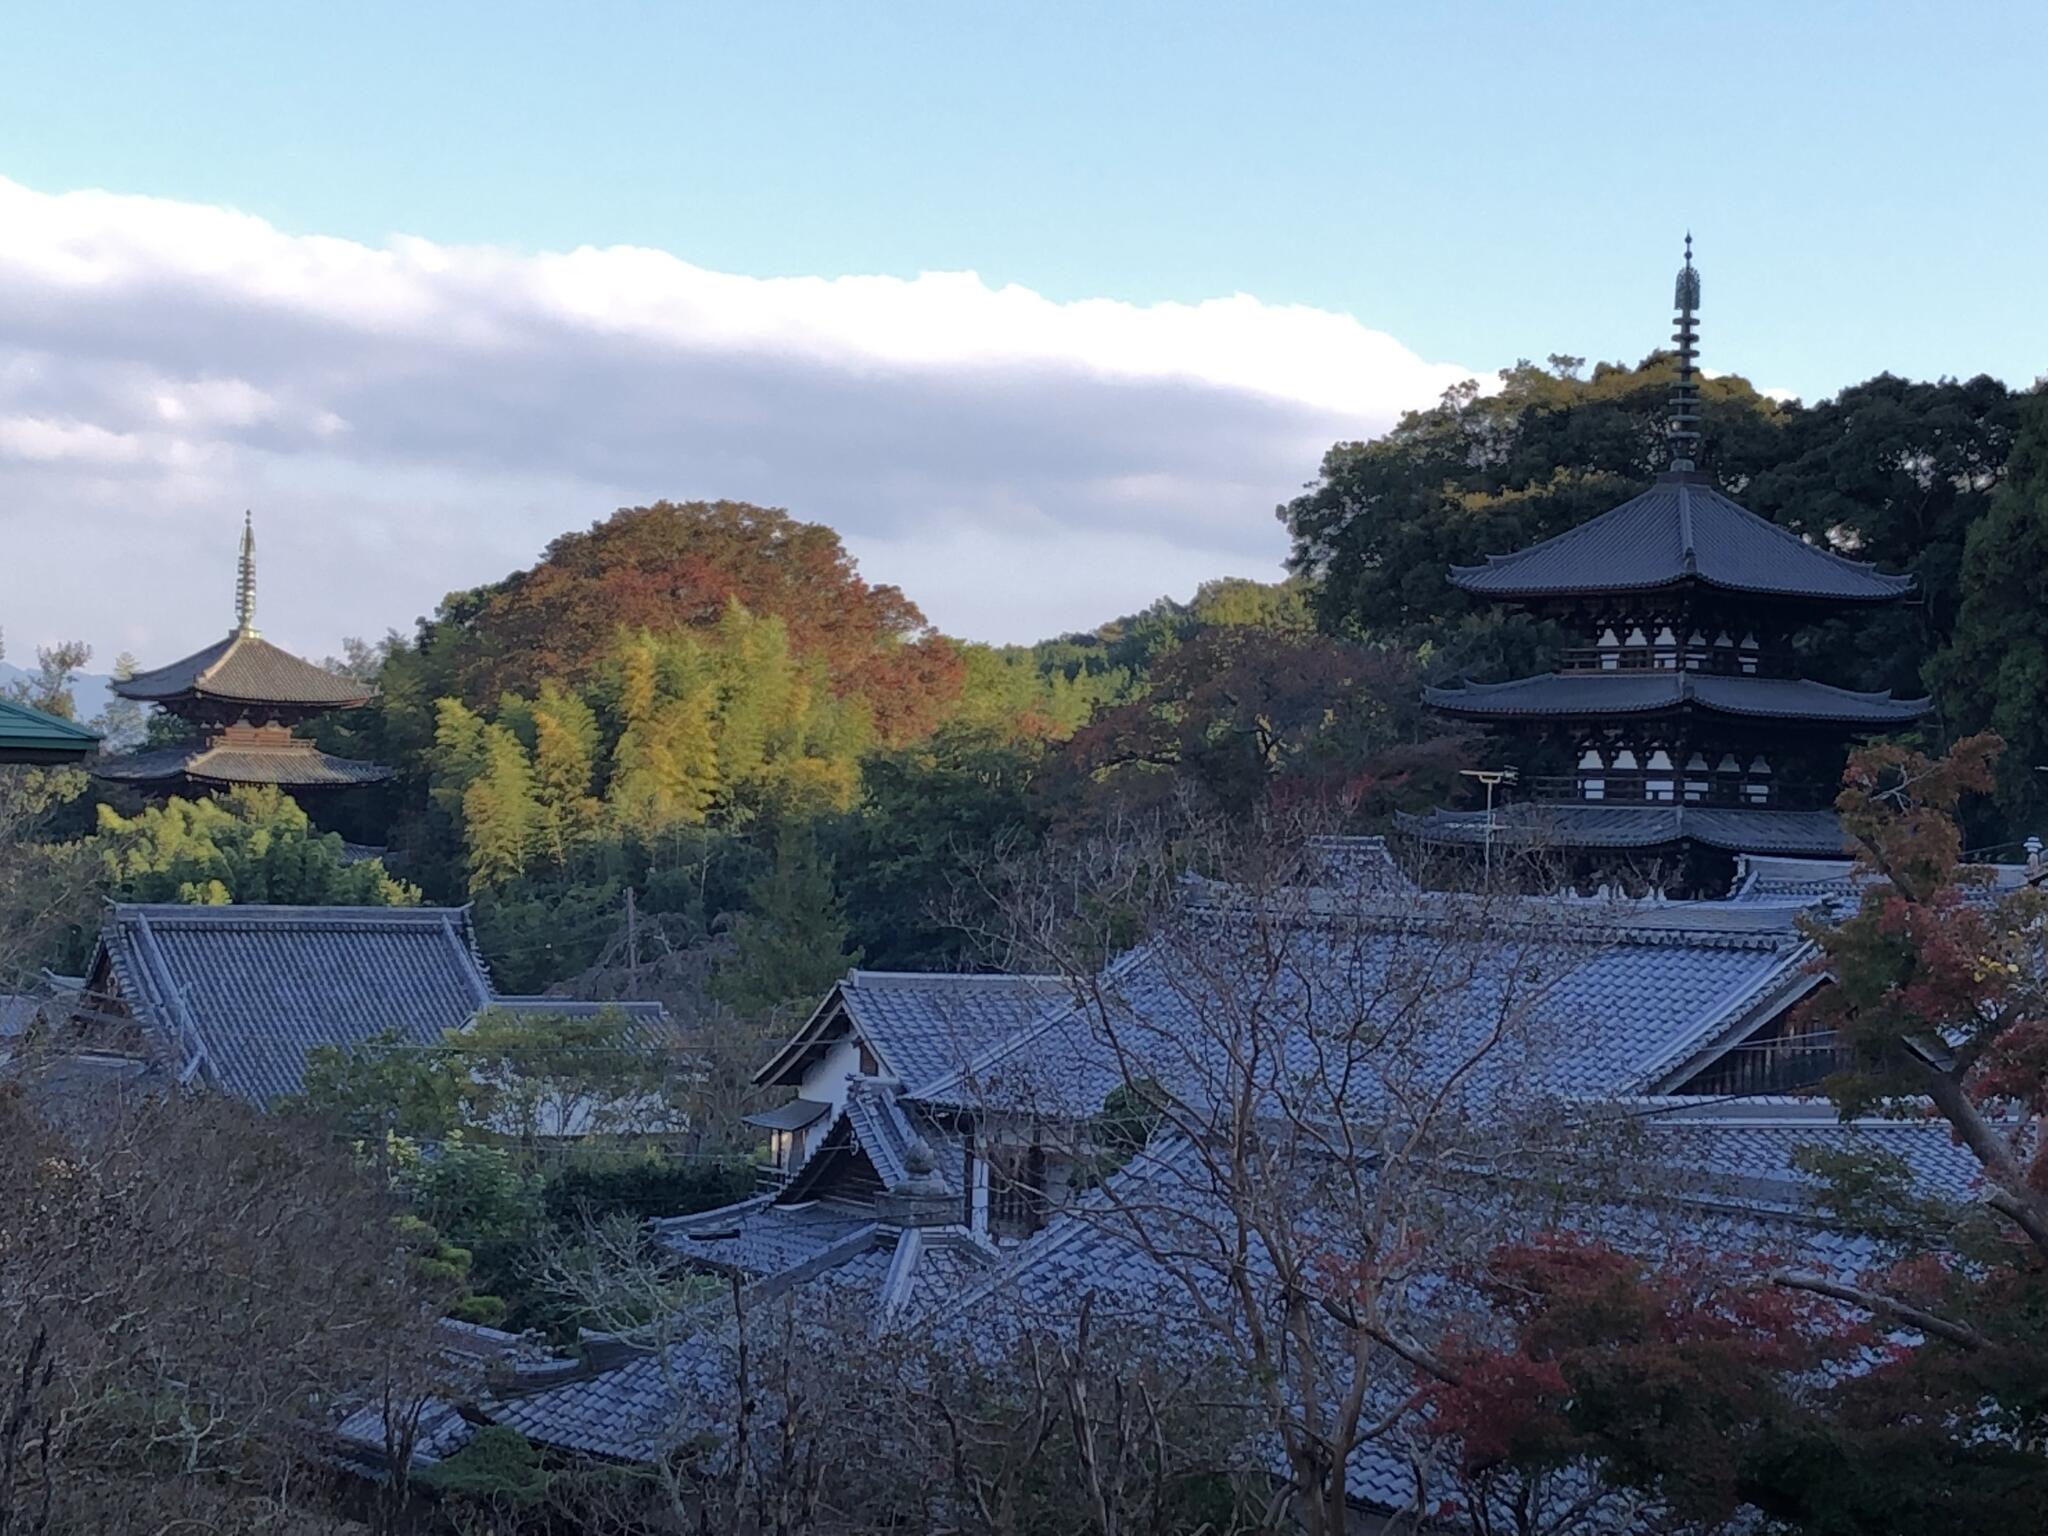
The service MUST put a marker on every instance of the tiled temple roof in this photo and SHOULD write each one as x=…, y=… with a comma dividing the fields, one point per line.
x=238, y=996
x=1575, y=695
x=920, y=1026
x=1600, y=990
x=244, y=668
x=34, y=736
x=1679, y=530
x=1567, y=825
x=1107, y=1249
x=299, y=765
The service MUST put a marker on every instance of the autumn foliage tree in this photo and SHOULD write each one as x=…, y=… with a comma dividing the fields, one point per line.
x=1907, y=1397
x=676, y=567
x=1674, y=1379
x=1239, y=713
x=1940, y=986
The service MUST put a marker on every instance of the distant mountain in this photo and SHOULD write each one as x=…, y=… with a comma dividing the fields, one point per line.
x=88, y=691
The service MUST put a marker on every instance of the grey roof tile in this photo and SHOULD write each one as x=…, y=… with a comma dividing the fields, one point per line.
x=1596, y=995
x=924, y=1026
x=243, y=993
x=762, y=1239
x=1579, y=824
x=1759, y=1147
x=245, y=669
x=1600, y=694
x=1681, y=529
x=298, y=766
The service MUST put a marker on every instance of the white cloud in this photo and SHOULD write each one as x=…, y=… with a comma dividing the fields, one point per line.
x=417, y=417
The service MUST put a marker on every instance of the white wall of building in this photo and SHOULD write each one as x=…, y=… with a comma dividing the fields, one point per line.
x=825, y=1083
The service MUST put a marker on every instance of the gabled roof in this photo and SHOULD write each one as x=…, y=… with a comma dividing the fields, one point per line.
x=874, y=1126
x=1572, y=694
x=759, y=1238
x=239, y=995
x=1583, y=824
x=1769, y=878
x=920, y=1026
x=839, y=1274
x=299, y=765
x=34, y=736
x=1679, y=530
x=1599, y=990
x=245, y=668
x=1356, y=864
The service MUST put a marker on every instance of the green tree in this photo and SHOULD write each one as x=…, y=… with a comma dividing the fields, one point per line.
x=932, y=816
x=1898, y=473
x=49, y=687
x=1482, y=474
x=565, y=746
x=533, y=1076
x=252, y=844
x=381, y=1091
x=665, y=762
x=120, y=721
x=790, y=945
x=483, y=780
x=1993, y=675
x=1238, y=714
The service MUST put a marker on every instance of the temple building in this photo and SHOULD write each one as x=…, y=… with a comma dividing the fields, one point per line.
x=41, y=739
x=1676, y=731
x=241, y=697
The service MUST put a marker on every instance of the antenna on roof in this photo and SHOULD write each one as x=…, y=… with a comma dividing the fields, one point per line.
x=1684, y=431
x=245, y=580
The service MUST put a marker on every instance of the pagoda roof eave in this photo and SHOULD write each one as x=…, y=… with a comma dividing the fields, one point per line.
x=1679, y=532
x=1604, y=695
x=245, y=668
x=301, y=766
x=1568, y=825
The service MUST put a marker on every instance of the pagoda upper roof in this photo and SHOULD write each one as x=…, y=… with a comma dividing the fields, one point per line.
x=1680, y=530
x=300, y=765
x=1579, y=694
x=1566, y=825
x=245, y=668
x=36, y=736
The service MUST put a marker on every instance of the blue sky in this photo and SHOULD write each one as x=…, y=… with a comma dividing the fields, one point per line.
x=1481, y=180
x=1477, y=182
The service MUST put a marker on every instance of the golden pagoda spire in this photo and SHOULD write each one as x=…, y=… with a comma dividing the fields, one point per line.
x=245, y=580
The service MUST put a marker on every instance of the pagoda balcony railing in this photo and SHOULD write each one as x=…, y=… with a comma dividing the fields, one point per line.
x=1673, y=787
x=1796, y=1064
x=1721, y=660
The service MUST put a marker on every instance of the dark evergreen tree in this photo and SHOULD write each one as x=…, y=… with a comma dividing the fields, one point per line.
x=791, y=944
x=1993, y=675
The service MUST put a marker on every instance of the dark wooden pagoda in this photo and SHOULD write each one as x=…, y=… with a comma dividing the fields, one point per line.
x=241, y=697
x=1676, y=732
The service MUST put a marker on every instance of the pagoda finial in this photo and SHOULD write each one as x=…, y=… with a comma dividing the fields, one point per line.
x=1684, y=431
x=245, y=579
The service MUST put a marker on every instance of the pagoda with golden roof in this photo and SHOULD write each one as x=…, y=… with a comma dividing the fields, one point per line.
x=242, y=696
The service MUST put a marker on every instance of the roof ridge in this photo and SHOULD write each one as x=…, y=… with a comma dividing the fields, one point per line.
x=1034, y=1029
x=1689, y=498
x=953, y=977
x=201, y=914
x=235, y=639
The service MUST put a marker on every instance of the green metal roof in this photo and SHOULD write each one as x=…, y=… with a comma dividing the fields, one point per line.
x=30, y=736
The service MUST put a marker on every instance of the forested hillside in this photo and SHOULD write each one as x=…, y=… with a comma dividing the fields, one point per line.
x=692, y=734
